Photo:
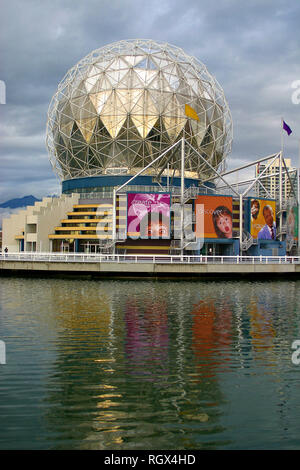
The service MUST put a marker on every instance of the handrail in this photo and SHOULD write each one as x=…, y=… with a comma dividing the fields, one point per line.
x=118, y=258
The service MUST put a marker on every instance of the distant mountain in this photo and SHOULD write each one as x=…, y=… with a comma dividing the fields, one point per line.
x=19, y=202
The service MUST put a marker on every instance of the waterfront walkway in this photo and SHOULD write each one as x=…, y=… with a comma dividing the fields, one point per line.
x=149, y=265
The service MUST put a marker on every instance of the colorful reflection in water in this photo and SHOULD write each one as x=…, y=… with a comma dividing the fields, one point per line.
x=149, y=365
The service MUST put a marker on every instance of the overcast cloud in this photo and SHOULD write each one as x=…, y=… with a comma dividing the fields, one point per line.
x=252, y=48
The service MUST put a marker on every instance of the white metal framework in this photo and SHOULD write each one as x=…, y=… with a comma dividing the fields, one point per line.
x=124, y=104
x=244, y=188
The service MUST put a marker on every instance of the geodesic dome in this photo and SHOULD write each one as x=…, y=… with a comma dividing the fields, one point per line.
x=124, y=104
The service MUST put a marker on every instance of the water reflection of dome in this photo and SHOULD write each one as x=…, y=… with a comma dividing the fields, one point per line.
x=122, y=105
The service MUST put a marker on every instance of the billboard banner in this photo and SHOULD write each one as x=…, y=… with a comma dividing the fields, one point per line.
x=217, y=216
x=292, y=221
x=148, y=215
x=263, y=219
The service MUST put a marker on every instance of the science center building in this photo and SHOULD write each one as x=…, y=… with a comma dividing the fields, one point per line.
x=138, y=133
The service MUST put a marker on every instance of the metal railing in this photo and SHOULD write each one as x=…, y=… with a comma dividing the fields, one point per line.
x=168, y=259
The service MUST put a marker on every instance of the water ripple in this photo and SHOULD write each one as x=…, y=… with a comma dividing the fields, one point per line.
x=149, y=365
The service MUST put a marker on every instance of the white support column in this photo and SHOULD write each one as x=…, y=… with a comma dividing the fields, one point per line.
x=280, y=193
x=168, y=177
x=241, y=222
x=182, y=194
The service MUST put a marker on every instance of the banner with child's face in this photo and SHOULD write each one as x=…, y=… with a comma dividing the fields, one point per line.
x=148, y=215
x=216, y=214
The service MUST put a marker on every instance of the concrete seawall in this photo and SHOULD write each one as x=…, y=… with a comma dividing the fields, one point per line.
x=151, y=270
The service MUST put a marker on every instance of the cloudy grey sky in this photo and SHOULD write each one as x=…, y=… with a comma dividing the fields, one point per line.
x=252, y=48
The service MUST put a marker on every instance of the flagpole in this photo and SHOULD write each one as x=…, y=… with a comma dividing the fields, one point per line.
x=282, y=135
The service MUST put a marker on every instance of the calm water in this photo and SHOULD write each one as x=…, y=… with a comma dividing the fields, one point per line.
x=129, y=365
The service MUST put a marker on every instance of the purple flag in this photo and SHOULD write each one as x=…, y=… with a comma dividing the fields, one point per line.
x=286, y=127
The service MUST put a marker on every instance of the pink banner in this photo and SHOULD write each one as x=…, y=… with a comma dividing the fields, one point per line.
x=148, y=215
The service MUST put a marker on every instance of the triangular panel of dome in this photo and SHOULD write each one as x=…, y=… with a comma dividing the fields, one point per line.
x=100, y=134
x=160, y=59
x=79, y=104
x=160, y=100
x=75, y=163
x=155, y=133
x=93, y=76
x=66, y=115
x=103, y=63
x=138, y=103
x=154, y=83
x=135, y=147
x=107, y=155
x=198, y=132
x=86, y=127
x=88, y=110
x=203, y=92
x=209, y=109
x=78, y=149
x=170, y=68
x=142, y=64
x=173, y=108
x=103, y=149
x=118, y=64
x=208, y=149
x=102, y=84
x=151, y=64
x=193, y=83
x=120, y=154
x=164, y=138
x=66, y=130
x=174, y=125
x=145, y=76
x=114, y=76
x=216, y=132
x=217, y=117
x=61, y=105
x=172, y=80
x=146, y=63
x=117, y=105
x=182, y=101
x=93, y=160
x=99, y=99
x=59, y=142
x=76, y=135
x=143, y=124
x=184, y=90
x=113, y=121
x=132, y=80
x=126, y=157
x=129, y=132
x=124, y=81
x=79, y=91
x=124, y=97
x=133, y=60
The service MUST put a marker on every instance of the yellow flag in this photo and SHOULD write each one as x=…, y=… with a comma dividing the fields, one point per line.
x=190, y=112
